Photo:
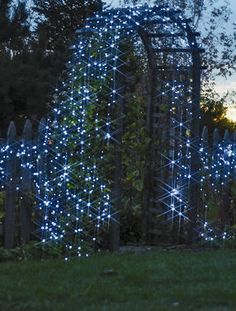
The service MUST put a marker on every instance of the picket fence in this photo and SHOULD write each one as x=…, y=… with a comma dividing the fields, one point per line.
x=23, y=168
x=21, y=160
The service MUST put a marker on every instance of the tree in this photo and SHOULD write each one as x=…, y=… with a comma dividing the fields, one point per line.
x=56, y=25
x=55, y=29
x=213, y=112
x=34, y=54
x=5, y=23
x=60, y=19
x=14, y=47
x=211, y=19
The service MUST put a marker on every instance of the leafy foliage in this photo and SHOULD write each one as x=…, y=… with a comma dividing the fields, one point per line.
x=31, y=251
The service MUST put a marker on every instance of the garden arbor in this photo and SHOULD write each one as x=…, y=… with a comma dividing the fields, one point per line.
x=123, y=136
x=86, y=152
x=95, y=92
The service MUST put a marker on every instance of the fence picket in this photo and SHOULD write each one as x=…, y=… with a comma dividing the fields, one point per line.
x=41, y=167
x=205, y=171
x=226, y=149
x=215, y=161
x=26, y=184
x=234, y=156
x=11, y=192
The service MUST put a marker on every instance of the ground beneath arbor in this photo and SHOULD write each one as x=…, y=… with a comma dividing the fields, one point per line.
x=146, y=281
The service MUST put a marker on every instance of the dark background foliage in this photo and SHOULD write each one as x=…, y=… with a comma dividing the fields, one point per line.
x=34, y=48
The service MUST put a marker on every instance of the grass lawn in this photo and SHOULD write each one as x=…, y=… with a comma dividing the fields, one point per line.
x=160, y=280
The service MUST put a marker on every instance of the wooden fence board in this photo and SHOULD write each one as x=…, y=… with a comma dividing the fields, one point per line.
x=26, y=201
x=10, y=201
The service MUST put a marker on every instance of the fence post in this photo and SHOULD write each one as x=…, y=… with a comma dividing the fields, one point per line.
x=194, y=197
x=26, y=184
x=205, y=172
x=215, y=165
x=42, y=146
x=2, y=163
x=234, y=156
x=118, y=173
x=42, y=155
x=224, y=213
x=10, y=202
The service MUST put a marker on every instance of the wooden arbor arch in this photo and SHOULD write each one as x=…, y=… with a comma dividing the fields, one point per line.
x=173, y=109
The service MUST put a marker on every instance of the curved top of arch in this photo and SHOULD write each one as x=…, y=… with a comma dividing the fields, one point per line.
x=168, y=29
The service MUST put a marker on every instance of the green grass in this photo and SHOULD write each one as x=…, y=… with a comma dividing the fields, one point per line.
x=152, y=281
